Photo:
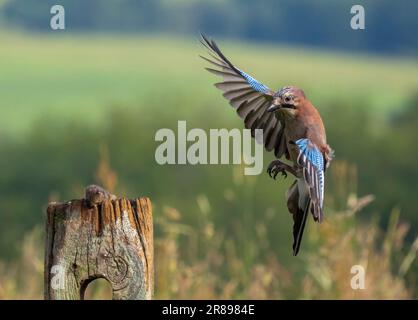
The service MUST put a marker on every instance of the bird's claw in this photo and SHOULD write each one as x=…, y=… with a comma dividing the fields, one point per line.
x=274, y=169
x=283, y=172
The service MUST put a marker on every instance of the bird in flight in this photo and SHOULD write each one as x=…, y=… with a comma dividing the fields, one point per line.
x=292, y=128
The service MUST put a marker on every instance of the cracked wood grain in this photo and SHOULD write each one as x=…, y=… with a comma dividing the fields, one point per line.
x=111, y=240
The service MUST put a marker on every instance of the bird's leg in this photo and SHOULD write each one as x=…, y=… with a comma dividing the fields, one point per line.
x=276, y=166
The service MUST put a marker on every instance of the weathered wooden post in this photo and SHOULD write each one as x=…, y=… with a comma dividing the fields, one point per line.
x=111, y=240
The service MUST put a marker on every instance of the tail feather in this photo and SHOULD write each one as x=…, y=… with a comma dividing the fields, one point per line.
x=299, y=208
x=299, y=226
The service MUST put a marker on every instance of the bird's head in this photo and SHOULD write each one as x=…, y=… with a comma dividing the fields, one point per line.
x=287, y=99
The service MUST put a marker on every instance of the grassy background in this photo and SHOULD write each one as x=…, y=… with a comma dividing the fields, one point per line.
x=83, y=109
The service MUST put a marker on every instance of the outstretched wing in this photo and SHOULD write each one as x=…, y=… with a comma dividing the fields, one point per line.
x=248, y=96
x=311, y=160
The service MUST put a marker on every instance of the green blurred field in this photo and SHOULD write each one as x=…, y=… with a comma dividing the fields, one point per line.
x=85, y=76
x=76, y=110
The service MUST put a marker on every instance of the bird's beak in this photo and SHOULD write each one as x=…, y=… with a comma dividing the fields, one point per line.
x=275, y=105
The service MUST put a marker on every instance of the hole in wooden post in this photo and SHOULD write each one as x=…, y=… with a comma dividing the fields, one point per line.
x=96, y=289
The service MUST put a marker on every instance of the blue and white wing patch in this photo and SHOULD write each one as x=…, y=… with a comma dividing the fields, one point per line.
x=311, y=160
x=255, y=84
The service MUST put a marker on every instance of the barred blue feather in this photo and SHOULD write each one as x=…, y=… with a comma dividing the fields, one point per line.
x=254, y=83
x=312, y=161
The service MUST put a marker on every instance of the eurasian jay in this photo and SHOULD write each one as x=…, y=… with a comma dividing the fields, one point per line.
x=292, y=128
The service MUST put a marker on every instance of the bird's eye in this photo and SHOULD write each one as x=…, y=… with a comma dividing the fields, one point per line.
x=287, y=99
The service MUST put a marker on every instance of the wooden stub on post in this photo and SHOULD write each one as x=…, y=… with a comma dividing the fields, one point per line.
x=112, y=240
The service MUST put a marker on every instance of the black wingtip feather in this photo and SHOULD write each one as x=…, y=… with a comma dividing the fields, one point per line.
x=210, y=44
x=205, y=41
x=216, y=64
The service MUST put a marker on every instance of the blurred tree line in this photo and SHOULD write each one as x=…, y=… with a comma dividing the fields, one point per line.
x=390, y=27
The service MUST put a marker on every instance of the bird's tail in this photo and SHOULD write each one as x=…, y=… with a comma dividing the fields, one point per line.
x=298, y=203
